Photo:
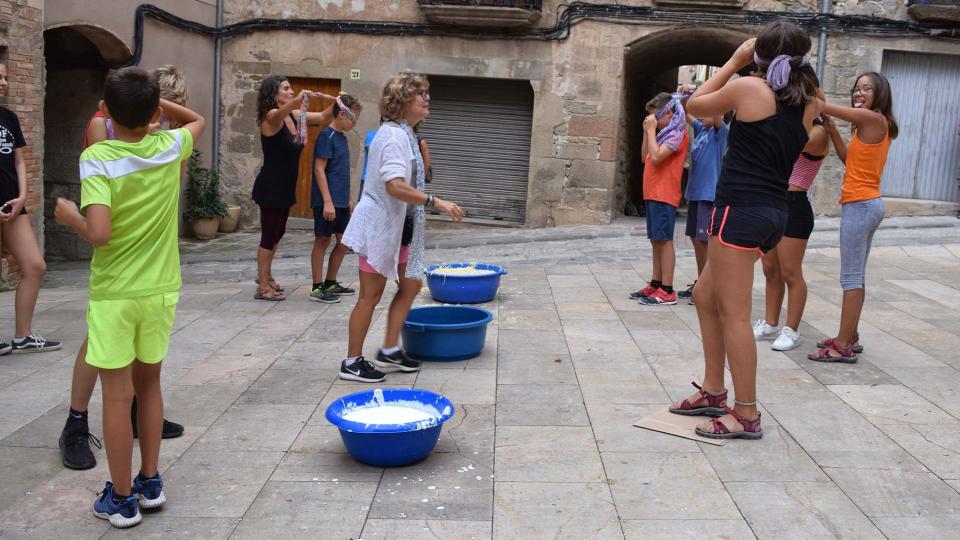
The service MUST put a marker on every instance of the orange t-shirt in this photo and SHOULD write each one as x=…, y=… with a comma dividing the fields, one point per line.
x=661, y=182
x=865, y=162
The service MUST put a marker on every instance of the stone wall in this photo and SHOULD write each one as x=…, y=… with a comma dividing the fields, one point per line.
x=21, y=48
x=70, y=97
x=848, y=57
x=580, y=158
x=84, y=38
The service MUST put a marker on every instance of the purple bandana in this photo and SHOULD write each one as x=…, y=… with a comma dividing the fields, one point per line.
x=778, y=71
x=673, y=133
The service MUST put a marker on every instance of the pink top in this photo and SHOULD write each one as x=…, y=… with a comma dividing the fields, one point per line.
x=805, y=169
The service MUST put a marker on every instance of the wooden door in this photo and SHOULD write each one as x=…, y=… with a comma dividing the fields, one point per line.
x=330, y=87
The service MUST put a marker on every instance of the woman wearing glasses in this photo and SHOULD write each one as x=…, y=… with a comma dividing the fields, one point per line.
x=873, y=126
x=386, y=228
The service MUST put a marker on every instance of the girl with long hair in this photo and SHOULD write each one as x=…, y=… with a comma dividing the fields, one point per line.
x=874, y=126
x=774, y=111
x=275, y=189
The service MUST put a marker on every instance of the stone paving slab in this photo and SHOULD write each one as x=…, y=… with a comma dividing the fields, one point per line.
x=543, y=443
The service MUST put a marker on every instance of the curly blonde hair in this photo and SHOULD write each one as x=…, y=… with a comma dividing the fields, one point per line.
x=172, y=85
x=399, y=92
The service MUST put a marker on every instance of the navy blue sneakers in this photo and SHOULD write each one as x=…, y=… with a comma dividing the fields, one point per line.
x=121, y=514
x=149, y=491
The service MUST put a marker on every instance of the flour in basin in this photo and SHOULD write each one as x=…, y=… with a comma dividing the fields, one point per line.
x=387, y=414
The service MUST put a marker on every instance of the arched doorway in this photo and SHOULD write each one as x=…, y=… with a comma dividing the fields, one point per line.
x=77, y=59
x=650, y=66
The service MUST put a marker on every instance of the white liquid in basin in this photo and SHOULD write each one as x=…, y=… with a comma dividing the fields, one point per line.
x=470, y=270
x=387, y=414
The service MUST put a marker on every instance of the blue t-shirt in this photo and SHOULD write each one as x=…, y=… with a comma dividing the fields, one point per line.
x=367, y=141
x=706, y=157
x=332, y=145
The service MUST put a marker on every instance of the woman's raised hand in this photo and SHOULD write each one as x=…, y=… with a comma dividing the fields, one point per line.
x=743, y=56
x=828, y=122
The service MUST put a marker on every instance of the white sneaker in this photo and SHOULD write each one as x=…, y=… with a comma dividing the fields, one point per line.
x=762, y=330
x=788, y=339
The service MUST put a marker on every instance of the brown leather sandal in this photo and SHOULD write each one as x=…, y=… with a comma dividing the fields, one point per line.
x=272, y=283
x=751, y=428
x=270, y=295
x=834, y=353
x=855, y=345
x=716, y=404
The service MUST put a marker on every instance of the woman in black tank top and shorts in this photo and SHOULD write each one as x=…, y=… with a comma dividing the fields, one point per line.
x=275, y=189
x=774, y=111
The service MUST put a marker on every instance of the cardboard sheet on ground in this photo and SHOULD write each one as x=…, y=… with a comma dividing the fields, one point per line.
x=664, y=421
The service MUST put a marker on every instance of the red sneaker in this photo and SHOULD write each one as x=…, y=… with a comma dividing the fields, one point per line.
x=660, y=297
x=644, y=292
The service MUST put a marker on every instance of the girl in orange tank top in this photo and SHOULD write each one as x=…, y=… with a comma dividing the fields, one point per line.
x=865, y=163
x=874, y=126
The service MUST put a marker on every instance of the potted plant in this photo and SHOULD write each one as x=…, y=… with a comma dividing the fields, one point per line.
x=203, y=206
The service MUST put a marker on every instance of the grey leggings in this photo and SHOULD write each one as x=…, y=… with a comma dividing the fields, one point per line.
x=858, y=221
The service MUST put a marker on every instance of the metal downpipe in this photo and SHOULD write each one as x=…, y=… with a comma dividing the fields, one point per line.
x=822, y=41
x=217, y=57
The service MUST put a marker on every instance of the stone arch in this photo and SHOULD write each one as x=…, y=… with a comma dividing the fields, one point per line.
x=112, y=50
x=650, y=66
x=77, y=57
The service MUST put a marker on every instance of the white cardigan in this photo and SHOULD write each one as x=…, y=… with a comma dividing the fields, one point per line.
x=377, y=222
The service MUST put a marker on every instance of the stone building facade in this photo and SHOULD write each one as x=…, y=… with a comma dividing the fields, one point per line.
x=82, y=40
x=583, y=163
x=580, y=97
x=21, y=49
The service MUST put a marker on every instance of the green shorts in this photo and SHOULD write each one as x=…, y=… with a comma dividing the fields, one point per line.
x=120, y=331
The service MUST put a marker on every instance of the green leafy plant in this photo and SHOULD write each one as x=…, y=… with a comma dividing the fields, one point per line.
x=203, y=192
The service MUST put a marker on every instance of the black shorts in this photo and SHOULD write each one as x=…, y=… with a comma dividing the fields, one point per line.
x=324, y=228
x=753, y=228
x=799, y=215
x=698, y=219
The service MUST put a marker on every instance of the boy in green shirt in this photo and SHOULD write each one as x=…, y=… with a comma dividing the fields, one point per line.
x=129, y=190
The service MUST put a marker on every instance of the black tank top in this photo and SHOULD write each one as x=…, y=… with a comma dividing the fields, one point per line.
x=760, y=157
x=276, y=183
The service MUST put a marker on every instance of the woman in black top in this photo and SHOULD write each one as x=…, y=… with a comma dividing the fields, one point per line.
x=275, y=189
x=774, y=112
x=16, y=231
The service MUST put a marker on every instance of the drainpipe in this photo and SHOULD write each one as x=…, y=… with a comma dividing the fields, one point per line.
x=822, y=42
x=217, y=53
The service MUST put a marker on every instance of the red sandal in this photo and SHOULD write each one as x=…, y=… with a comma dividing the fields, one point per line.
x=855, y=345
x=846, y=354
x=751, y=428
x=272, y=284
x=716, y=404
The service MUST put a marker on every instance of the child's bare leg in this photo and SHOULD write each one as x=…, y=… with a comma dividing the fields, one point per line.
x=657, y=269
x=668, y=262
x=117, y=431
x=317, y=254
x=336, y=259
x=700, y=252
x=775, y=287
x=83, y=382
x=146, y=383
x=18, y=238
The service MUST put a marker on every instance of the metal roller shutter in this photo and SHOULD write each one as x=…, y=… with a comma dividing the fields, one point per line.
x=479, y=135
x=924, y=160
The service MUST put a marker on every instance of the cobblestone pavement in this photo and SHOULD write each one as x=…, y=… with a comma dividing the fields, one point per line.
x=542, y=445
x=231, y=257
